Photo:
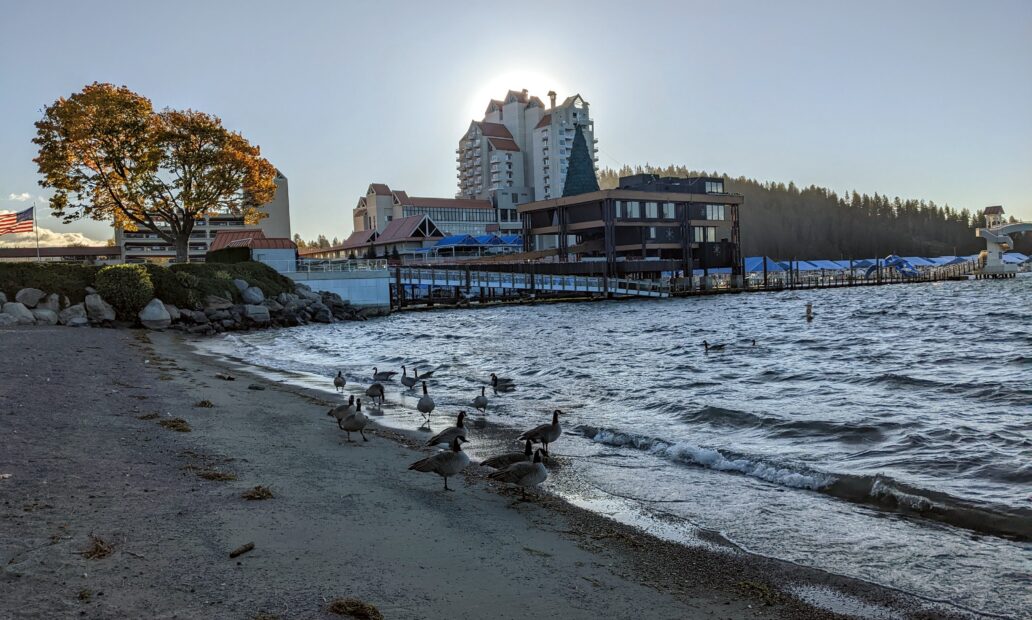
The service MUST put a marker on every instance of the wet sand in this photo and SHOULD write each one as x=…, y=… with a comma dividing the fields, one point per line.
x=79, y=413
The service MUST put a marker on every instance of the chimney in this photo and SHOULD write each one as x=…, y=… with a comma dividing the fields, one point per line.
x=551, y=97
x=524, y=92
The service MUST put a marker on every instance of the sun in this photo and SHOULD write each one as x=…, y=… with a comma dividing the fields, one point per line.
x=537, y=84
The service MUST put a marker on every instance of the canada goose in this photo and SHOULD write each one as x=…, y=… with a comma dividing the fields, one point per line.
x=425, y=375
x=523, y=474
x=376, y=391
x=502, y=384
x=355, y=422
x=450, y=433
x=342, y=411
x=445, y=463
x=425, y=404
x=406, y=380
x=713, y=347
x=546, y=433
x=339, y=382
x=480, y=402
x=385, y=375
x=504, y=460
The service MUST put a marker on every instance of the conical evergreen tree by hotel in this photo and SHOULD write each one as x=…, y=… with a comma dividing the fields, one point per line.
x=580, y=174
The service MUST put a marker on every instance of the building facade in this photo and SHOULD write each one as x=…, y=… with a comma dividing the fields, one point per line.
x=520, y=152
x=454, y=216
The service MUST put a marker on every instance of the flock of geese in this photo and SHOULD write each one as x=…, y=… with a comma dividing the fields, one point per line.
x=524, y=469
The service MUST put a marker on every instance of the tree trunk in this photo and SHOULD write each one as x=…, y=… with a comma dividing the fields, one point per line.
x=183, y=248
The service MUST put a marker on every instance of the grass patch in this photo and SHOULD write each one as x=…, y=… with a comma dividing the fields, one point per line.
x=98, y=549
x=215, y=475
x=175, y=424
x=85, y=595
x=354, y=608
x=205, y=404
x=148, y=416
x=258, y=493
x=261, y=615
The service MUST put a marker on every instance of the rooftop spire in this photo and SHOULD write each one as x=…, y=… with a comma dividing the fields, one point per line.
x=580, y=175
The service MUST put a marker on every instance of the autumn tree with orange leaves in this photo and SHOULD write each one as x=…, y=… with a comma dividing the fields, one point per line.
x=109, y=156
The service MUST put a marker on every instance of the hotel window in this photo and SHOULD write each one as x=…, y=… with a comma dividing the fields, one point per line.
x=714, y=187
x=633, y=209
x=704, y=233
x=714, y=212
x=668, y=212
x=652, y=210
x=651, y=233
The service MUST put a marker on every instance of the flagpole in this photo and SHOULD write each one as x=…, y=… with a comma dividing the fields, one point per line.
x=35, y=227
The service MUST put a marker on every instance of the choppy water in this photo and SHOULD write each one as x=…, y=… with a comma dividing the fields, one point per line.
x=890, y=439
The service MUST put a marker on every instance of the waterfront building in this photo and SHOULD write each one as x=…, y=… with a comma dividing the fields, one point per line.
x=520, y=151
x=146, y=246
x=658, y=223
x=88, y=255
x=280, y=253
x=404, y=237
x=454, y=216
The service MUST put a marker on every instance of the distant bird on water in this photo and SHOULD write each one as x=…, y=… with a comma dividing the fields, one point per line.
x=385, y=375
x=447, y=435
x=342, y=411
x=376, y=392
x=546, y=433
x=523, y=474
x=446, y=463
x=713, y=347
x=339, y=381
x=355, y=422
x=502, y=384
x=406, y=380
x=425, y=404
x=502, y=461
x=480, y=402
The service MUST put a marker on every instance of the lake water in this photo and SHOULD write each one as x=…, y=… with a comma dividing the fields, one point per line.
x=889, y=439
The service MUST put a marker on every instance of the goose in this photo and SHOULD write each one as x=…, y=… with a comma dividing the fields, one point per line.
x=504, y=460
x=450, y=433
x=406, y=380
x=425, y=375
x=342, y=411
x=546, y=433
x=523, y=474
x=502, y=384
x=339, y=382
x=713, y=347
x=376, y=391
x=445, y=463
x=480, y=402
x=355, y=422
x=385, y=375
x=425, y=404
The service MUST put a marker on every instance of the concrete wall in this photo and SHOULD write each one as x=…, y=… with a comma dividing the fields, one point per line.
x=364, y=289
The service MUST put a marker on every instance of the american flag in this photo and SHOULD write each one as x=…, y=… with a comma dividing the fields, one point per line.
x=20, y=222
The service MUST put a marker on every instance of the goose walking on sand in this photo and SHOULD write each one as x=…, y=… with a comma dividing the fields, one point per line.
x=425, y=404
x=446, y=463
x=356, y=422
x=406, y=380
x=339, y=381
x=502, y=384
x=713, y=347
x=342, y=411
x=385, y=375
x=546, y=433
x=502, y=461
x=450, y=433
x=523, y=474
x=376, y=392
x=480, y=402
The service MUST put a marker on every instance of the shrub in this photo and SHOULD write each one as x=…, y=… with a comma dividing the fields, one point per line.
x=127, y=288
x=170, y=288
x=67, y=279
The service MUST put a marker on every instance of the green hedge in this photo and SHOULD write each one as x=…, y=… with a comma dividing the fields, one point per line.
x=67, y=279
x=126, y=287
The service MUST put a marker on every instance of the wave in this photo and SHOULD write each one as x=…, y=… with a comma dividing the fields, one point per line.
x=879, y=491
x=843, y=431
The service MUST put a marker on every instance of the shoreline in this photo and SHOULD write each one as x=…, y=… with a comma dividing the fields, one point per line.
x=346, y=520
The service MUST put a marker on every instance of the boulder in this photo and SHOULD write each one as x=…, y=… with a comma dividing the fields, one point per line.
x=3, y=298
x=90, y=290
x=79, y=321
x=52, y=302
x=98, y=310
x=217, y=302
x=320, y=313
x=173, y=312
x=29, y=297
x=19, y=312
x=257, y=314
x=241, y=285
x=199, y=317
x=154, y=315
x=273, y=305
x=78, y=311
x=252, y=295
x=228, y=323
x=217, y=315
x=44, y=316
x=7, y=319
x=286, y=298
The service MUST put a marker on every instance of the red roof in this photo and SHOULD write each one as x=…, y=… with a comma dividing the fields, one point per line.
x=379, y=189
x=545, y=121
x=503, y=144
x=254, y=239
x=401, y=197
x=495, y=130
x=405, y=229
x=224, y=238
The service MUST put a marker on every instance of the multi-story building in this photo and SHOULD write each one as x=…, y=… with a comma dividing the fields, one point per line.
x=454, y=216
x=520, y=151
x=145, y=245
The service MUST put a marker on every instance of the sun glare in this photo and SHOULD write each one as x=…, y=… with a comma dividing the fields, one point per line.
x=537, y=84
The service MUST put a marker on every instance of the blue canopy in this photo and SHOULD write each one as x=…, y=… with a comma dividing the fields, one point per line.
x=511, y=239
x=799, y=265
x=754, y=264
x=456, y=240
x=1014, y=258
x=917, y=261
x=827, y=264
x=489, y=240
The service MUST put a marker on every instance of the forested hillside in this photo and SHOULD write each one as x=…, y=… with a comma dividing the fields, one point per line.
x=786, y=221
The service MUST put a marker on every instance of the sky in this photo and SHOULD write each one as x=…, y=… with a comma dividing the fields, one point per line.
x=919, y=99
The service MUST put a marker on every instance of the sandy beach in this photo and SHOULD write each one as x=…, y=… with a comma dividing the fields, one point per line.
x=83, y=454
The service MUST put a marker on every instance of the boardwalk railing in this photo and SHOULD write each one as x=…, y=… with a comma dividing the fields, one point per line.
x=456, y=278
x=326, y=265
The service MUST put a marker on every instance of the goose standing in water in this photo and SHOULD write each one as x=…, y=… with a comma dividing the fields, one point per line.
x=546, y=433
x=446, y=436
x=406, y=380
x=356, y=422
x=385, y=375
x=339, y=382
x=523, y=474
x=342, y=411
x=446, y=463
x=376, y=391
x=480, y=402
x=502, y=384
x=425, y=404
x=713, y=347
x=504, y=460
